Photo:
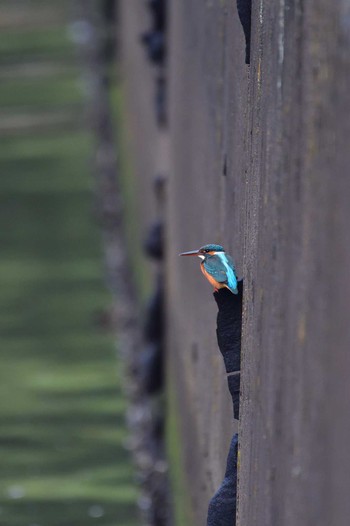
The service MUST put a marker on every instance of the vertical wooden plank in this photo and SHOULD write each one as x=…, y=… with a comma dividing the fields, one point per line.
x=295, y=240
x=208, y=95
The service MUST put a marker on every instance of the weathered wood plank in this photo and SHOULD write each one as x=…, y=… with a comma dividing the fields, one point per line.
x=258, y=161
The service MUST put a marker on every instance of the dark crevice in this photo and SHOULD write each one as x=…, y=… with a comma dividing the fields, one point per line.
x=244, y=8
x=222, y=507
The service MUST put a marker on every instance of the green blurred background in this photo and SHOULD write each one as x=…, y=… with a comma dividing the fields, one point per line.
x=62, y=431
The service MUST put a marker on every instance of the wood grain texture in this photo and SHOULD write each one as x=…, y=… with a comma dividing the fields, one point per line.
x=258, y=161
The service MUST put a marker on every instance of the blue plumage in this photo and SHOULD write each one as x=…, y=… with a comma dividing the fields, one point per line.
x=230, y=271
x=217, y=266
x=212, y=248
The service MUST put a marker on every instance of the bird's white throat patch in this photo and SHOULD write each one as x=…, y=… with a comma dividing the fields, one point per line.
x=201, y=256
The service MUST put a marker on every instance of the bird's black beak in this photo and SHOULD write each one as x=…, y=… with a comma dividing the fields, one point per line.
x=191, y=253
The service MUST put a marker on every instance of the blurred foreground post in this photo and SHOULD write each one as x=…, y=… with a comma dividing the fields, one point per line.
x=135, y=342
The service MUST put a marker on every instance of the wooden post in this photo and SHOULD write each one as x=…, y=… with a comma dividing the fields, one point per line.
x=257, y=159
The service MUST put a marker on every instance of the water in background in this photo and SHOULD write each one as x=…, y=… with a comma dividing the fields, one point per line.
x=62, y=460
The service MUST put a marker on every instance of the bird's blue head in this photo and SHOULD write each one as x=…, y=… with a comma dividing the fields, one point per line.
x=209, y=249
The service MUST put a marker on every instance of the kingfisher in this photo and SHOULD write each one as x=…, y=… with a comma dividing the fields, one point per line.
x=217, y=266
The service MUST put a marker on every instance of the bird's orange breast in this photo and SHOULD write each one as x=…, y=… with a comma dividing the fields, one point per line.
x=211, y=280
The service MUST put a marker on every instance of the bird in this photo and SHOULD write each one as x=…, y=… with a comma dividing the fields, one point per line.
x=217, y=266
